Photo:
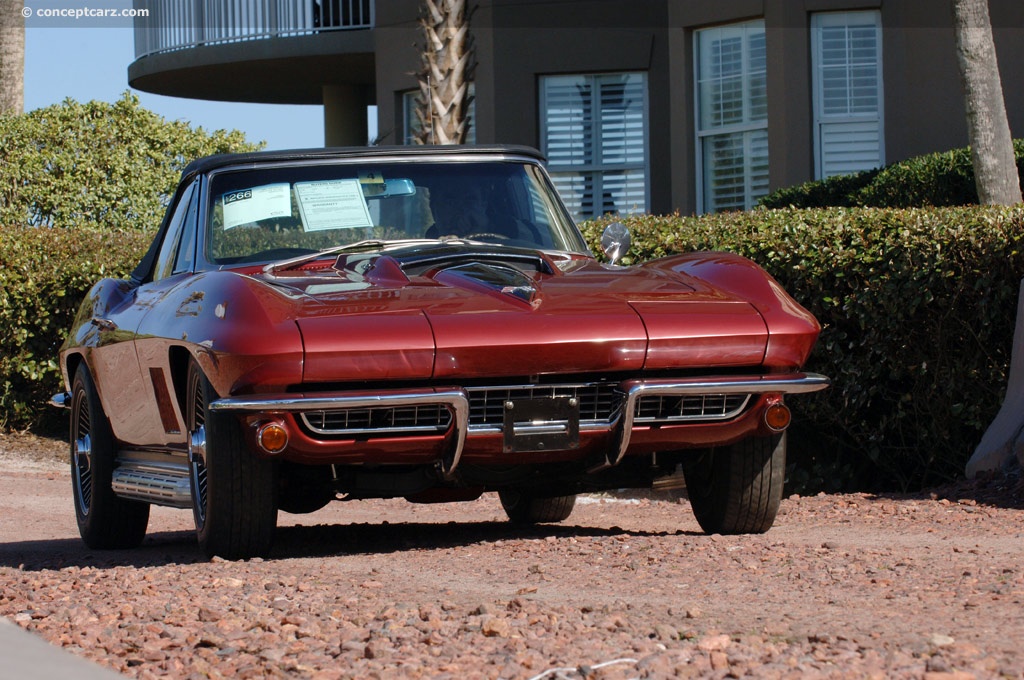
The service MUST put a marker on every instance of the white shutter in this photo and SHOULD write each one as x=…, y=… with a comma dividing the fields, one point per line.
x=732, y=111
x=594, y=132
x=847, y=62
x=622, y=118
x=569, y=120
x=847, y=148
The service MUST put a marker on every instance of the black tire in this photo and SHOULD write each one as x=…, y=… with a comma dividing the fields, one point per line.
x=105, y=521
x=737, y=489
x=523, y=507
x=232, y=489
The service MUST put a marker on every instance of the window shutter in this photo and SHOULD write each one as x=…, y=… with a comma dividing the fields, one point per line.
x=568, y=137
x=732, y=104
x=847, y=148
x=595, y=139
x=847, y=60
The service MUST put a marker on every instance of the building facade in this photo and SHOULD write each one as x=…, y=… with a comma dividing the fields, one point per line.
x=639, y=105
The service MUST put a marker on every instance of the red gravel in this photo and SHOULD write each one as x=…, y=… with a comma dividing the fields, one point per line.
x=929, y=585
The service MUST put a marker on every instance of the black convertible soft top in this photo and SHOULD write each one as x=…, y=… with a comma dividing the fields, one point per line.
x=208, y=163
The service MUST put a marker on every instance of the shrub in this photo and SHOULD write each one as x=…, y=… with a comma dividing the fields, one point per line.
x=917, y=308
x=938, y=179
x=106, y=170
x=44, y=275
x=115, y=165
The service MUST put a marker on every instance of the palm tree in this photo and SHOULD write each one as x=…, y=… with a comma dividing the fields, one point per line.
x=12, y=57
x=995, y=168
x=448, y=61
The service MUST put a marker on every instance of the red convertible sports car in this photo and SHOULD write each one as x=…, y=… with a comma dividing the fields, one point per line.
x=417, y=322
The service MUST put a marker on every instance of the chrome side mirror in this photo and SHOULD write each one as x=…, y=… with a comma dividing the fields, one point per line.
x=615, y=241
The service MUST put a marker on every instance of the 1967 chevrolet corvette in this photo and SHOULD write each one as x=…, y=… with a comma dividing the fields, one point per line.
x=416, y=322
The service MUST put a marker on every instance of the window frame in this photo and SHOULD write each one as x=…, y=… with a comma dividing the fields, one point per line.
x=183, y=220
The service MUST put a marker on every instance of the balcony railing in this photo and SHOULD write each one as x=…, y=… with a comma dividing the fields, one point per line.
x=180, y=24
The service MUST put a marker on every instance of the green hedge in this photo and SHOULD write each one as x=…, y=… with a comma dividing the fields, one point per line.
x=44, y=276
x=917, y=308
x=938, y=179
x=111, y=164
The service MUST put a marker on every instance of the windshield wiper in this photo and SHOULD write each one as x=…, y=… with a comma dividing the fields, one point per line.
x=367, y=244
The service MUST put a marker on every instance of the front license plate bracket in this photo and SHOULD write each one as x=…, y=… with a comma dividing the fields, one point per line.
x=545, y=424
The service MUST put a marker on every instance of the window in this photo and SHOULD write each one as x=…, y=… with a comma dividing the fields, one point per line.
x=732, y=116
x=846, y=55
x=411, y=123
x=177, y=253
x=594, y=133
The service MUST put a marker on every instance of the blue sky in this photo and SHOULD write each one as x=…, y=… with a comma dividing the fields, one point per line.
x=87, y=63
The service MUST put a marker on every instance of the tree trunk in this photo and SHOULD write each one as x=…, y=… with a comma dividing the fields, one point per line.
x=448, y=61
x=12, y=57
x=995, y=168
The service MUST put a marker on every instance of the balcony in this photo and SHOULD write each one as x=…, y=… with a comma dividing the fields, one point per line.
x=270, y=51
x=182, y=24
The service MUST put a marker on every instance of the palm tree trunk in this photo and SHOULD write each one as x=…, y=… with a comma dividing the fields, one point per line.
x=995, y=168
x=12, y=57
x=448, y=61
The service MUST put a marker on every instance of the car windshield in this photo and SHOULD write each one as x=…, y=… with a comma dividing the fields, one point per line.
x=265, y=214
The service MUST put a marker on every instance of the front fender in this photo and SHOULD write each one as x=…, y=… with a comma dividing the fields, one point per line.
x=88, y=330
x=240, y=330
x=792, y=330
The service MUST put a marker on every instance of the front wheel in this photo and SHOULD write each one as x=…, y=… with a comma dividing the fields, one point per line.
x=523, y=507
x=105, y=520
x=232, y=490
x=737, y=489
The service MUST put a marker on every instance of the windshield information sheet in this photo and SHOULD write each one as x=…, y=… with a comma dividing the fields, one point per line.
x=333, y=204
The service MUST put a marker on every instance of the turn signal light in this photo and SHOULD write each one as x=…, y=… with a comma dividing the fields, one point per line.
x=777, y=417
x=272, y=437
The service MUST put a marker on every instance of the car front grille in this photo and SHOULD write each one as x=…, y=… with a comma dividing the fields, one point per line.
x=600, y=405
x=689, y=408
x=411, y=420
x=598, y=402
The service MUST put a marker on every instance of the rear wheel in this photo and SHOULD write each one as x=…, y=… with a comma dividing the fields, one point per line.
x=737, y=489
x=523, y=507
x=232, y=490
x=105, y=521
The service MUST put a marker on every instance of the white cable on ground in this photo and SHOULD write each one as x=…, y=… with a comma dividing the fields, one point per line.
x=558, y=672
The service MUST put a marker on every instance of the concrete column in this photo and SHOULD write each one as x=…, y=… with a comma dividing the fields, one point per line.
x=345, y=115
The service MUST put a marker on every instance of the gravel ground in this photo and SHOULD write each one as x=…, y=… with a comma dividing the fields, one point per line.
x=915, y=586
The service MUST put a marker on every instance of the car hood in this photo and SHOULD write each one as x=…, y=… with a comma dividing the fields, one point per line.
x=503, y=312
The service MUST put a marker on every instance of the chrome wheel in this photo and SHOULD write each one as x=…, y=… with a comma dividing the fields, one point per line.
x=197, y=450
x=81, y=465
x=104, y=520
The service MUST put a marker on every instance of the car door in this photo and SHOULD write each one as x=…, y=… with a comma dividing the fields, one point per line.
x=137, y=397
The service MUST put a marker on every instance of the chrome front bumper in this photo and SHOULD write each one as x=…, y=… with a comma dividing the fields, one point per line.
x=457, y=402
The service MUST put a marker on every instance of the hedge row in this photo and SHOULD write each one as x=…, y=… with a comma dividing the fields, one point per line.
x=917, y=308
x=111, y=164
x=938, y=179
x=44, y=276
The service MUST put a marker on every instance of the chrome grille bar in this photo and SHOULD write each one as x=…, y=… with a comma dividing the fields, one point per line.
x=414, y=419
x=660, y=408
x=599, y=402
